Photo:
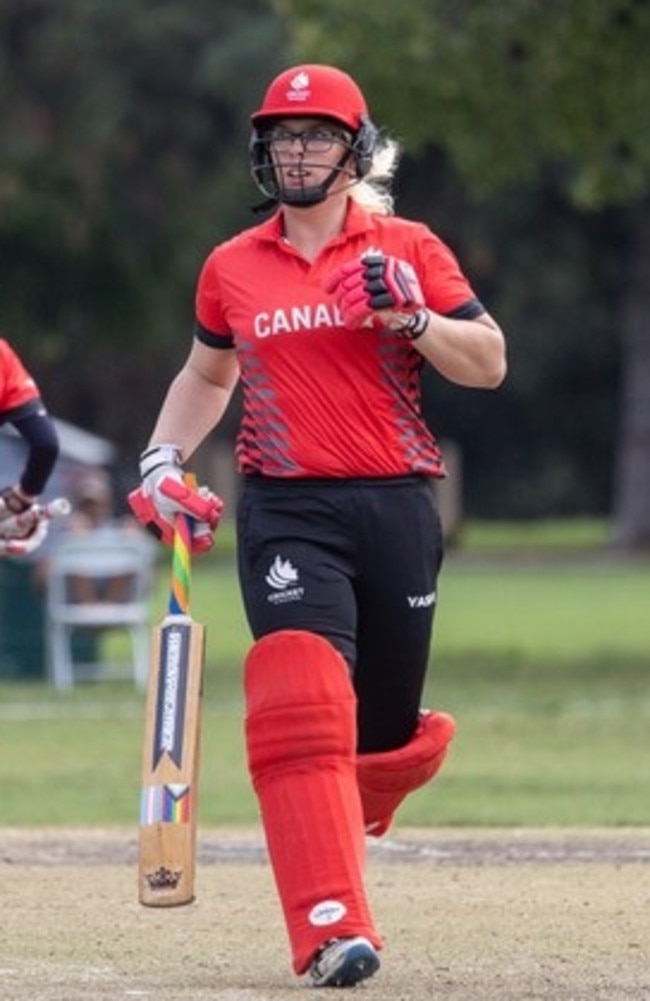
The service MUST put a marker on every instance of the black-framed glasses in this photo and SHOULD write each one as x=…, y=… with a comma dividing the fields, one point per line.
x=319, y=139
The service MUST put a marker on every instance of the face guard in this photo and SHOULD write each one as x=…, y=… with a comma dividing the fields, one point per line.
x=311, y=91
x=269, y=166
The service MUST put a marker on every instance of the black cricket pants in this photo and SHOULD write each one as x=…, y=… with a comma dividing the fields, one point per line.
x=355, y=561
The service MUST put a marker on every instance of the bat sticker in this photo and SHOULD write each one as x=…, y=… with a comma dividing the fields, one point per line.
x=170, y=703
x=169, y=803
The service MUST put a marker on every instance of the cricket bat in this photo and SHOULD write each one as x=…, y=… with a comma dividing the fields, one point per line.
x=170, y=757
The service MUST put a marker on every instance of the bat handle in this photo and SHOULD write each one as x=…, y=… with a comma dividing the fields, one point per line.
x=179, y=592
x=60, y=507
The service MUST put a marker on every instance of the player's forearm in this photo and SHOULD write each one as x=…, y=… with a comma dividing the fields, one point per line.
x=39, y=432
x=468, y=352
x=192, y=408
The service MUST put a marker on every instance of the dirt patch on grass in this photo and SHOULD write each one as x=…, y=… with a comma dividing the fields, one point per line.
x=466, y=916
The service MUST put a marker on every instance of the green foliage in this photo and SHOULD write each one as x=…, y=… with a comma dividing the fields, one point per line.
x=542, y=659
x=114, y=113
x=124, y=156
x=507, y=87
x=538, y=107
x=123, y=161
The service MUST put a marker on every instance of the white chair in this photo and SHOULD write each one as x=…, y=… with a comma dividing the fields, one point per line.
x=99, y=563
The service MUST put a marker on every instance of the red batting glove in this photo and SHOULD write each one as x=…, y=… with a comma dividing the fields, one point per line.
x=205, y=509
x=373, y=283
x=164, y=494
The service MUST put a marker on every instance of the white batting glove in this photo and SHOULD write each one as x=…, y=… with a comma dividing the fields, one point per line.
x=156, y=463
x=13, y=500
x=164, y=494
x=20, y=526
x=15, y=545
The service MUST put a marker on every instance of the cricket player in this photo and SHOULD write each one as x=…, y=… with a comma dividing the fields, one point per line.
x=22, y=529
x=327, y=312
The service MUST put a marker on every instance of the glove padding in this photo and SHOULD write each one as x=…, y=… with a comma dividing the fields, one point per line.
x=373, y=283
x=17, y=540
x=13, y=501
x=164, y=494
x=21, y=526
x=201, y=505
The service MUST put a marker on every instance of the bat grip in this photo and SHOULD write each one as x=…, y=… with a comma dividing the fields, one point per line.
x=58, y=508
x=179, y=591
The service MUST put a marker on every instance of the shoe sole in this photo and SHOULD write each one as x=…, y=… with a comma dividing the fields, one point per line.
x=359, y=963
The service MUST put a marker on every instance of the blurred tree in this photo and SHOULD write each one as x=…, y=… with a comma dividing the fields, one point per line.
x=124, y=135
x=545, y=443
x=513, y=91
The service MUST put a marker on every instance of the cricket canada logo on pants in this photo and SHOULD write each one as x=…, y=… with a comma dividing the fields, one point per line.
x=283, y=578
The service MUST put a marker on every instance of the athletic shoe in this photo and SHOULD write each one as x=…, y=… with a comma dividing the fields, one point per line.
x=343, y=962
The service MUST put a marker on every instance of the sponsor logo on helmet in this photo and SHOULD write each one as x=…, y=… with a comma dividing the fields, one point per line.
x=299, y=87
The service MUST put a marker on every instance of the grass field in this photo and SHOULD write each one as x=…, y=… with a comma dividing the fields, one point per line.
x=541, y=651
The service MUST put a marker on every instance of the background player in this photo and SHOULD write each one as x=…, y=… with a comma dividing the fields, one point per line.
x=327, y=312
x=22, y=406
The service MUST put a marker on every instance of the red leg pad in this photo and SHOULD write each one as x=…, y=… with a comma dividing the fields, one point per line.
x=301, y=739
x=387, y=777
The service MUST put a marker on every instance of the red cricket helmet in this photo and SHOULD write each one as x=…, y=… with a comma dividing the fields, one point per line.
x=314, y=91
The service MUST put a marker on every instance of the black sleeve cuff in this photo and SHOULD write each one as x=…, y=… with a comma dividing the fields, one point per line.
x=468, y=311
x=212, y=340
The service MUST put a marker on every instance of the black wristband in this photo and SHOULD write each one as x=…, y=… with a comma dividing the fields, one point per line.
x=415, y=326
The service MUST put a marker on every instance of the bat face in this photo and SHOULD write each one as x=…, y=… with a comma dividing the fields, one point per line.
x=169, y=718
x=170, y=763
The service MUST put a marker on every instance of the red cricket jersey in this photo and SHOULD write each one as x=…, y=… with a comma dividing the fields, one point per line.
x=321, y=400
x=16, y=384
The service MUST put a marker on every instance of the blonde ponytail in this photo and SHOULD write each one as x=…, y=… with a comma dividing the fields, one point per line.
x=373, y=193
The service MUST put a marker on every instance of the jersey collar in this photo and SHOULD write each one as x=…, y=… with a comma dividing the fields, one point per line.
x=357, y=220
